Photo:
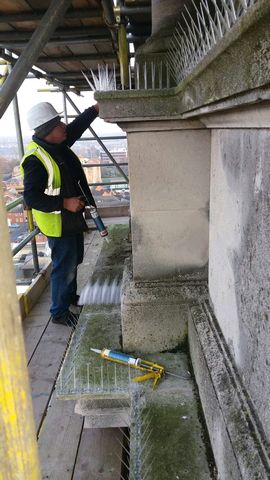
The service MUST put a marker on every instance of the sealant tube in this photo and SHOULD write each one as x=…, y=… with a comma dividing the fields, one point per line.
x=120, y=357
x=98, y=221
x=94, y=214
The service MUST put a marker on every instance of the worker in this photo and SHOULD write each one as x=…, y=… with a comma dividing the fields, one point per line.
x=51, y=172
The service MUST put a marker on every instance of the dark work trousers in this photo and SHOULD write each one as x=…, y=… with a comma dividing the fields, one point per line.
x=67, y=254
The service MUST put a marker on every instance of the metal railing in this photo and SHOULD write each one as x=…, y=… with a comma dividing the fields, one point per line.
x=31, y=237
x=34, y=230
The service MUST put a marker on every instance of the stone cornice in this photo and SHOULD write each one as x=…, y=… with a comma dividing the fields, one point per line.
x=235, y=73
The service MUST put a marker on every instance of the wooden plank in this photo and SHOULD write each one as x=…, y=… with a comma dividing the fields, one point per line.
x=46, y=360
x=99, y=455
x=85, y=4
x=35, y=323
x=93, y=22
x=44, y=366
x=32, y=336
x=8, y=6
x=59, y=439
x=39, y=4
x=56, y=51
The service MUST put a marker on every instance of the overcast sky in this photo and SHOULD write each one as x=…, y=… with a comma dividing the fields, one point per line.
x=28, y=96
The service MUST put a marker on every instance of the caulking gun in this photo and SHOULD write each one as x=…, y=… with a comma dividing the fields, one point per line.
x=154, y=371
x=94, y=214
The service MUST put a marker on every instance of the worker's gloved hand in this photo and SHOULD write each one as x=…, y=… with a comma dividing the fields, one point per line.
x=73, y=204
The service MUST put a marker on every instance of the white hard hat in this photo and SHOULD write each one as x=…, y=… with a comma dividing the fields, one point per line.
x=41, y=113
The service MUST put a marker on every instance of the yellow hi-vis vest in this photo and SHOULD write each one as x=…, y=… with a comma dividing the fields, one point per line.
x=50, y=223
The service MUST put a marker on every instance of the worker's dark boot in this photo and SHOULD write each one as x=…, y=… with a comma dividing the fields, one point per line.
x=74, y=307
x=68, y=318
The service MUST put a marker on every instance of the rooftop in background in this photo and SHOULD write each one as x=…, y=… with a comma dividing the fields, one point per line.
x=85, y=38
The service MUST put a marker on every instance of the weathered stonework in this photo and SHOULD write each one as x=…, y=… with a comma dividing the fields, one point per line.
x=223, y=74
x=239, y=254
x=154, y=314
x=238, y=443
x=228, y=92
x=107, y=396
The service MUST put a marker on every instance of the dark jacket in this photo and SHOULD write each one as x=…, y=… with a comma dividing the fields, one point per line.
x=36, y=177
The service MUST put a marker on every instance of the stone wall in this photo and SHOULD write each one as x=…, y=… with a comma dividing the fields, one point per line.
x=169, y=164
x=239, y=255
x=228, y=93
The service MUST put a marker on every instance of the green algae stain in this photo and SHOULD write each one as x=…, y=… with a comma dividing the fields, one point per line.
x=177, y=449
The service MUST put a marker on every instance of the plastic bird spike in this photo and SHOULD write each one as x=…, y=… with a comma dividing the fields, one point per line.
x=199, y=29
x=104, y=81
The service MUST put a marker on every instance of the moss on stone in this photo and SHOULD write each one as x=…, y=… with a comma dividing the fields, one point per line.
x=177, y=448
x=178, y=455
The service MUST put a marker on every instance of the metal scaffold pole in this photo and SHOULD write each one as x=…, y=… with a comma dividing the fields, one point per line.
x=21, y=154
x=99, y=141
x=18, y=126
x=19, y=454
x=17, y=120
x=65, y=106
x=30, y=54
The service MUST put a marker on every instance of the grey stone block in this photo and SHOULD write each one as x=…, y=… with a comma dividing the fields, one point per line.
x=237, y=441
x=84, y=406
x=108, y=418
x=154, y=314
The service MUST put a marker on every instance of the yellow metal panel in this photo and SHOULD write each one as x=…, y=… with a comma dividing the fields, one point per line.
x=123, y=56
x=18, y=446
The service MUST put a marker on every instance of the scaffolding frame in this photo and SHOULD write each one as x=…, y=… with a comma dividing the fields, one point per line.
x=17, y=430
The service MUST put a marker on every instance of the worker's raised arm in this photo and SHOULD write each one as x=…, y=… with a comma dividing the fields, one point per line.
x=77, y=127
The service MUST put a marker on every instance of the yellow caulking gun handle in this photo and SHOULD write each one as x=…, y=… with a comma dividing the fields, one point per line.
x=145, y=377
x=156, y=376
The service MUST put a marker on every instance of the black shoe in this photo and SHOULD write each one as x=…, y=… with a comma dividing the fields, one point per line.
x=75, y=299
x=69, y=319
x=74, y=307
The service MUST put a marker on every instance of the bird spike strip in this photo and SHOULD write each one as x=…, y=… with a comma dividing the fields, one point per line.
x=137, y=451
x=199, y=29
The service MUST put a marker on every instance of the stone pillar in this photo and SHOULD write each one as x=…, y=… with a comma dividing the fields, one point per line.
x=229, y=343
x=169, y=168
x=164, y=14
x=169, y=165
x=169, y=172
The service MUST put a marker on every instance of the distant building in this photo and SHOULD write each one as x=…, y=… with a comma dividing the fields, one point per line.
x=93, y=175
x=120, y=156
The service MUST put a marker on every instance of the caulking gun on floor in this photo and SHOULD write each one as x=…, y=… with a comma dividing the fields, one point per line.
x=153, y=371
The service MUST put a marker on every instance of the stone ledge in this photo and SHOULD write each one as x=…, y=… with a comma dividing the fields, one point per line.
x=222, y=75
x=238, y=445
x=155, y=313
x=166, y=422
x=112, y=418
